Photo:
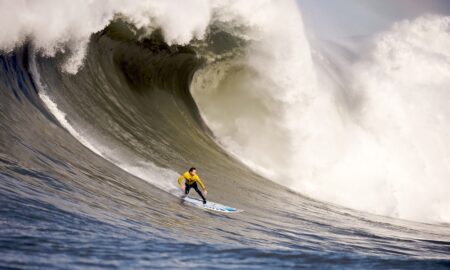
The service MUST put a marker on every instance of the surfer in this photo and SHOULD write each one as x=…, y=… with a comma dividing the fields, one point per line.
x=191, y=179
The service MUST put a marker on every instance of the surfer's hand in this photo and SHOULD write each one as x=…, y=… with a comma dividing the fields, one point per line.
x=205, y=192
x=183, y=187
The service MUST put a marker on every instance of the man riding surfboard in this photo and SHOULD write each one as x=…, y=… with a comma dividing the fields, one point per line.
x=191, y=179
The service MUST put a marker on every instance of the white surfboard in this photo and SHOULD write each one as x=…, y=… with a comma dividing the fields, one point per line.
x=210, y=205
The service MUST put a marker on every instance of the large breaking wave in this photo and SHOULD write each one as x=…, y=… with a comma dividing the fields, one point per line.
x=367, y=131
x=104, y=103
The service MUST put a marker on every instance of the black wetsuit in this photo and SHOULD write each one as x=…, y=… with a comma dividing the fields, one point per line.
x=194, y=186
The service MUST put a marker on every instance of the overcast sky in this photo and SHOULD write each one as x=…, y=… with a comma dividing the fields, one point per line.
x=335, y=18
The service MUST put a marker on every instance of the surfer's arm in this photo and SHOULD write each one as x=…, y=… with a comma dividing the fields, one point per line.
x=201, y=184
x=180, y=179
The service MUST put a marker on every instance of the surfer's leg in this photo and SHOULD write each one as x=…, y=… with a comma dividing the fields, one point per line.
x=186, y=189
x=199, y=192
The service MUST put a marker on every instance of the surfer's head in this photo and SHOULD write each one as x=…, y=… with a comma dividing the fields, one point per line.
x=193, y=171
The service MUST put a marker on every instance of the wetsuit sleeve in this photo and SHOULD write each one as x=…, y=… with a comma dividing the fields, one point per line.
x=180, y=179
x=201, y=183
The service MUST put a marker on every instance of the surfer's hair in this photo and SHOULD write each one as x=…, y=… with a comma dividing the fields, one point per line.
x=192, y=169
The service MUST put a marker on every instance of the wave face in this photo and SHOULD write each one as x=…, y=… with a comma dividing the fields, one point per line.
x=98, y=120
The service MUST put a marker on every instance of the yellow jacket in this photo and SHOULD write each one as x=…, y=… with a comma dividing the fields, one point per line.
x=191, y=179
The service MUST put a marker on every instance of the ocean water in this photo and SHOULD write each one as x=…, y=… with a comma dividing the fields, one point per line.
x=101, y=113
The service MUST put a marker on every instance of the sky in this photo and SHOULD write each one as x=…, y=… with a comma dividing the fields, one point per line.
x=337, y=18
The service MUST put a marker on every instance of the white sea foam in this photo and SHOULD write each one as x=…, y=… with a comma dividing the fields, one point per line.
x=383, y=148
x=57, y=113
x=162, y=178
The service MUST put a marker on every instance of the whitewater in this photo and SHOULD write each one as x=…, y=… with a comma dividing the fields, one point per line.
x=334, y=147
